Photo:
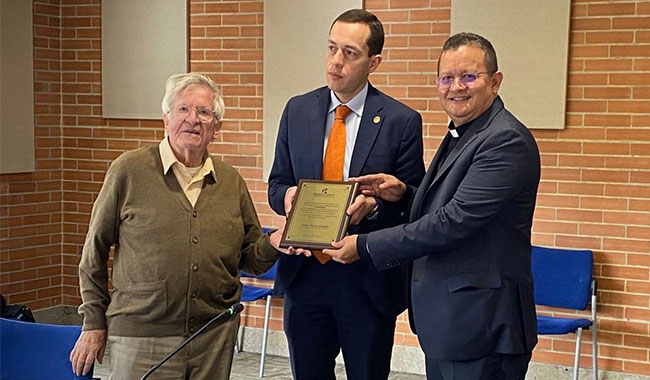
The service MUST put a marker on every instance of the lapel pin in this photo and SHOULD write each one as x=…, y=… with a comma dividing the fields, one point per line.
x=376, y=119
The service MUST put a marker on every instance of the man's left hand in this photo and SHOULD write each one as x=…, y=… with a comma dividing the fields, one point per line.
x=361, y=207
x=90, y=345
x=345, y=250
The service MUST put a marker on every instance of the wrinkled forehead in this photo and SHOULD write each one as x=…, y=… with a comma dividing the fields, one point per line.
x=196, y=93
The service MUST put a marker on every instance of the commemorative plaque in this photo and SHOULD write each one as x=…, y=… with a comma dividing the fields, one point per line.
x=318, y=216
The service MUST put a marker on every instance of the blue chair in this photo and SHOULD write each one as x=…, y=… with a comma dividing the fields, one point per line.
x=252, y=293
x=36, y=351
x=563, y=278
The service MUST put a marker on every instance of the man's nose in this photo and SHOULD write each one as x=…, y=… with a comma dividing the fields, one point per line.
x=455, y=81
x=337, y=58
x=193, y=116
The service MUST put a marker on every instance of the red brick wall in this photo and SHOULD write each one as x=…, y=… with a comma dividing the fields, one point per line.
x=595, y=186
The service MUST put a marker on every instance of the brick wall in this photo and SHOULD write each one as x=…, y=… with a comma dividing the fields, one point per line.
x=595, y=186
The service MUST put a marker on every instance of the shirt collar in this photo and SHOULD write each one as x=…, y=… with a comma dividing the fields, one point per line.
x=355, y=104
x=168, y=159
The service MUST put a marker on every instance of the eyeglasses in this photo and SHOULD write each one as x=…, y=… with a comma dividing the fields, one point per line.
x=204, y=114
x=466, y=79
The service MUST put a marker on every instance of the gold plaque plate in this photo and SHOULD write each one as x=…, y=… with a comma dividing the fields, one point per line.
x=318, y=216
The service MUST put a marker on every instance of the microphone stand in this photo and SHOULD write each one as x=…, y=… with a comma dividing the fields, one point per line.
x=221, y=318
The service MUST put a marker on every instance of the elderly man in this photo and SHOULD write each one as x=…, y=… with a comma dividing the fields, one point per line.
x=183, y=225
x=469, y=236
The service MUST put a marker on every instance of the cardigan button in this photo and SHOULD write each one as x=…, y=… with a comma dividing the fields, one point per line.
x=194, y=214
x=195, y=240
x=195, y=268
x=193, y=295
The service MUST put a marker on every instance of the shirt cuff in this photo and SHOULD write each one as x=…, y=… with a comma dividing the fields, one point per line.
x=374, y=214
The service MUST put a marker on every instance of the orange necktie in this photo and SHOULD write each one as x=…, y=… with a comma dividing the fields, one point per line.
x=335, y=152
x=334, y=157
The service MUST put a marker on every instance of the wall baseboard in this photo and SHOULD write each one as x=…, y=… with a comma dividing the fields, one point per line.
x=58, y=315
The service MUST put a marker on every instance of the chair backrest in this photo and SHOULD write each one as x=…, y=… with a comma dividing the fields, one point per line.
x=562, y=277
x=36, y=350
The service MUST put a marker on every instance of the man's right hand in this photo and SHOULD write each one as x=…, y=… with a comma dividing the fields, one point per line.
x=288, y=199
x=90, y=345
x=384, y=186
x=275, y=239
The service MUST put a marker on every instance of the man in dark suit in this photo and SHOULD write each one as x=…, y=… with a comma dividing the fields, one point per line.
x=469, y=233
x=328, y=306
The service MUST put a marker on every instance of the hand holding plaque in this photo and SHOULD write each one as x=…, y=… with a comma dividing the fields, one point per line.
x=318, y=216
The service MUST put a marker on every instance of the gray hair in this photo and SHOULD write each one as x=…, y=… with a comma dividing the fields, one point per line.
x=178, y=82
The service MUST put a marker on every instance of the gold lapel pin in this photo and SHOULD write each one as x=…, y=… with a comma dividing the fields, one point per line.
x=376, y=119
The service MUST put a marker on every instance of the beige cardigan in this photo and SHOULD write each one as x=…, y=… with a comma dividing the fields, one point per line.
x=175, y=266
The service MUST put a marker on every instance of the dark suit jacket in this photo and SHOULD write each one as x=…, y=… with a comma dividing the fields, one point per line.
x=391, y=145
x=469, y=243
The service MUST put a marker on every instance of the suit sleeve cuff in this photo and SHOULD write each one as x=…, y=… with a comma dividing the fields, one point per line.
x=409, y=195
x=363, y=250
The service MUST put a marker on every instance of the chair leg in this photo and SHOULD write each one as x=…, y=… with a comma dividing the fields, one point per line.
x=239, y=339
x=594, y=331
x=594, y=353
x=265, y=333
x=576, y=360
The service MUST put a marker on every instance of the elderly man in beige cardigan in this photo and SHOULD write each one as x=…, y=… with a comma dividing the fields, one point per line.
x=183, y=226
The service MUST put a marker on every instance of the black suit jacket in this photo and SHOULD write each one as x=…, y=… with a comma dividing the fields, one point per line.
x=389, y=141
x=469, y=243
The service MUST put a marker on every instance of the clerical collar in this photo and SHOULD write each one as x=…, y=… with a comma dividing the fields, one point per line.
x=456, y=132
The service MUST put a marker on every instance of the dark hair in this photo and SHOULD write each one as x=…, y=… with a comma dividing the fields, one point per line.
x=462, y=39
x=375, y=41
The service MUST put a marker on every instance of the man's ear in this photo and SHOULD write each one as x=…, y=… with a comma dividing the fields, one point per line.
x=166, y=122
x=374, y=63
x=497, y=78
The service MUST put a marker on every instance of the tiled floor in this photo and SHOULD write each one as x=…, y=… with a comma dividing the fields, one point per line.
x=246, y=367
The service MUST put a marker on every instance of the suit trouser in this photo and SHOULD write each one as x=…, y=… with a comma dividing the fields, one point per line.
x=209, y=356
x=326, y=310
x=491, y=367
